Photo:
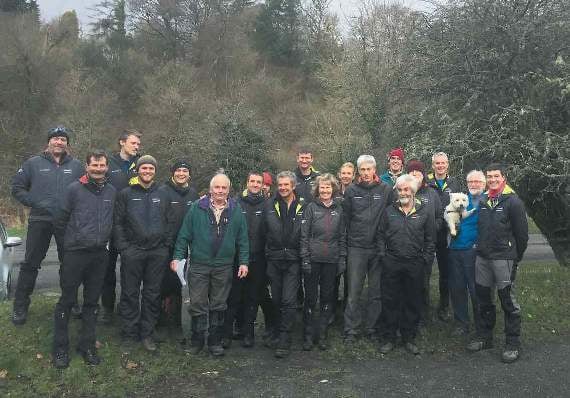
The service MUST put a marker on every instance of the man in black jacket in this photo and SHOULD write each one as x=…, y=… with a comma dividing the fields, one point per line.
x=306, y=174
x=143, y=237
x=364, y=202
x=503, y=239
x=86, y=216
x=180, y=195
x=443, y=185
x=122, y=170
x=251, y=292
x=40, y=184
x=405, y=244
x=283, y=214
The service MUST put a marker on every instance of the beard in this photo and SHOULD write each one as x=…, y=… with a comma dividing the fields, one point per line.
x=404, y=201
x=475, y=192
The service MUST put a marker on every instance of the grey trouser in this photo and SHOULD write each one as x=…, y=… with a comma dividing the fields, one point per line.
x=362, y=263
x=209, y=287
x=501, y=273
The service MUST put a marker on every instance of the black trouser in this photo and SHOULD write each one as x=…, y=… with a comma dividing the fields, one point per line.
x=108, y=295
x=402, y=282
x=284, y=279
x=38, y=239
x=322, y=275
x=146, y=266
x=442, y=253
x=79, y=266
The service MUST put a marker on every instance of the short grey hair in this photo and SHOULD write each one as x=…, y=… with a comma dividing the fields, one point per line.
x=365, y=159
x=435, y=155
x=478, y=173
x=287, y=174
x=407, y=179
x=224, y=176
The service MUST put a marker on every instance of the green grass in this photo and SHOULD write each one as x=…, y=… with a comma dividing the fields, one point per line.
x=17, y=231
x=543, y=290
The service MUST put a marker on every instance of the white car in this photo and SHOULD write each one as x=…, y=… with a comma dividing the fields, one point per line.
x=7, y=256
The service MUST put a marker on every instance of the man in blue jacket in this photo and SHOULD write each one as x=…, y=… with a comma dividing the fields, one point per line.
x=86, y=217
x=462, y=253
x=40, y=184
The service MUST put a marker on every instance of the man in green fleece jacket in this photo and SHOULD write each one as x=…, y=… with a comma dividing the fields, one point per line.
x=213, y=230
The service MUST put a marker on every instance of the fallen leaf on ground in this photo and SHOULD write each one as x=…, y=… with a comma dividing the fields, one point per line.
x=131, y=365
x=3, y=373
x=213, y=373
x=39, y=356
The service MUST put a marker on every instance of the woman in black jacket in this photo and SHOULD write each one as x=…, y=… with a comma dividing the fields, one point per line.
x=323, y=254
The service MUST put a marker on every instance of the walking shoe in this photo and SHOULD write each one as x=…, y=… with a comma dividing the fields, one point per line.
x=61, y=360
x=412, y=348
x=386, y=347
x=510, y=354
x=282, y=352
x=76, y=311
x=478, y=345
x=349, y=340
x=149, y=344
x=247, y=342
x=216, y=350
x=19, y=316
x=90, y=357
x=308, y=343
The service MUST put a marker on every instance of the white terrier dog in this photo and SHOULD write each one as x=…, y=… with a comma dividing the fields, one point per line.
x=455, y=211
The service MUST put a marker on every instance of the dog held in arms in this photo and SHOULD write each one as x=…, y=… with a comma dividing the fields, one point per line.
x=455, y=211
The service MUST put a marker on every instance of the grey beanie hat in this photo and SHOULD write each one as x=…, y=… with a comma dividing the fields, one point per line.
x=146, y=159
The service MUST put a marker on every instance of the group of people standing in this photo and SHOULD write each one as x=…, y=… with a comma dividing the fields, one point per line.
x=279, y=250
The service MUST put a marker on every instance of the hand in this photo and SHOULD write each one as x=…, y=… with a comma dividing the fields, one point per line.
x=341, y=266
x=242, y=271
x=173, y=265
x=306, y=268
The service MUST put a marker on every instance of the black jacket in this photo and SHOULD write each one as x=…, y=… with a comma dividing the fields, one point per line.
x=363, y=206
x=253, y=207
x=450, y=185
x=503, y=228
x=116, y=173
x=430, y=198
x=407, y=236
x=86, y=215
x=141, y=218
x=40, y=184
x=323, y=233
x=283, y=228
x=305, y=184
x=180, y=199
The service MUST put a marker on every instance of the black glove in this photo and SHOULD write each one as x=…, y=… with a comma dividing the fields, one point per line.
x=341, y=266
x=306, y=268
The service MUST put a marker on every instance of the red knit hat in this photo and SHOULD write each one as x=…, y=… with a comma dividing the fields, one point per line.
x=397, y=152
x=267, y=179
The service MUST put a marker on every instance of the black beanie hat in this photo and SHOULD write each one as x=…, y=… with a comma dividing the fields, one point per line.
x=59, y=131
x=180, y=163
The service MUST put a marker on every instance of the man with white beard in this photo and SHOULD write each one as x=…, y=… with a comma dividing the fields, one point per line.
x=462, y=254
x=406, y=243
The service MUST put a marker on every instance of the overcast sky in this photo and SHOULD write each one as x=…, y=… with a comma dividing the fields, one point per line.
x=53, y=8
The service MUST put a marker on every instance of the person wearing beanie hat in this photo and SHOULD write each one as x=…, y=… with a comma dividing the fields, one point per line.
x=180, y=194
x=429, y=197
x=395, y=166
x=143, y=237
x=40, y=184
x=443, y=184
x=122, y=171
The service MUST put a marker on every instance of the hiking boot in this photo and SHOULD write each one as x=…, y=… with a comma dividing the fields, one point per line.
x=149, y=344
x=308, y=343
x=443, y=314
x=90, y=357
x=510, y=354
x=19, y=316
x=412, y=348
x=216, y=350
x=61, y=360
x=106, y=317
x=479, y=345
x=195, y=347
x=386, y=347
x=76, y=311
x=248, y=341
x=226, y=342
